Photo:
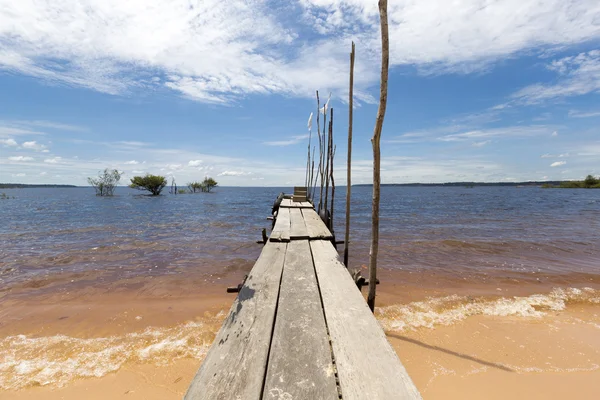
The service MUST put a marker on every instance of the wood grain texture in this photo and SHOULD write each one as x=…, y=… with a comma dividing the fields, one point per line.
x=300, y=364
x=296, y=204
x=281, y=230
x=235, y=365
x=315, y=227
x=298, y=227
x=367, y=365
x=286, y=203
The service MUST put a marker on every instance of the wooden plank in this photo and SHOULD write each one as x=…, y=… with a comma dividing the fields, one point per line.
x=314, y=225
x=281, y=230
x=235, y=365
x=300, y=364
x=298, y=228
x=367, y=365
x=286, y=203
x=295, y=204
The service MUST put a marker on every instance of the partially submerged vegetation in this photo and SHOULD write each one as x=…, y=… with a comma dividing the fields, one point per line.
x=205, y=186
x=590, y=182
x=151, y=183
x=106, y=182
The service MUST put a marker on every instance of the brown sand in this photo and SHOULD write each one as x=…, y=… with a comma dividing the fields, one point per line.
x=482, y=356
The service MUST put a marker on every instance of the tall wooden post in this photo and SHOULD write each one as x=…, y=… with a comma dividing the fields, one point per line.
x=385, y=61
x=349, y=163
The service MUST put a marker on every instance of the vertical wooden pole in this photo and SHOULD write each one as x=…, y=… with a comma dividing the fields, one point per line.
x=332, y=182
x=327, y=160
x=385, y=61
x=349, y=162
x=320, y=147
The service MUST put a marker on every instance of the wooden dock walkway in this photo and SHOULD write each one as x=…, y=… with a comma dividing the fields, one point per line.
x=300, y=328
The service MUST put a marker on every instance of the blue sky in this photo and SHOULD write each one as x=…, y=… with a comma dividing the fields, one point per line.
x=479, y=90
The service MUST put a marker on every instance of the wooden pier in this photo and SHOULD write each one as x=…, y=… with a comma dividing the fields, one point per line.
x=300, y=328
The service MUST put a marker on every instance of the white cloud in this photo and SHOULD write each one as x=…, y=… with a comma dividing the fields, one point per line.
x=54, y=160
x=481, y=144
x=33, y=145
x=289, y=142
x=20, y=158
x=234, y=173
x=504, y=132
x=132, y=162
x=563, y=155
x=14, y=131
x=194, y=163
x=554, y=134
x=43, y=173
x=216, y=51
x=20, y=174
x=578, y=75
x=583, y=114
x=9, y=142
x=558, y=163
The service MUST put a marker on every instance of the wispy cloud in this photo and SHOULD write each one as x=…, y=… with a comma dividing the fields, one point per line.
x=583, y=114
x=20, y=158
x=33, y=145
x=49, y=125
x=234, y=173
x=131, y=162
x=9, y=142
x=14, y=131
x=578, y=75
x=558, y=163
x=504, y=132
x=217, y=52
x=54, y=160
x=288, y=142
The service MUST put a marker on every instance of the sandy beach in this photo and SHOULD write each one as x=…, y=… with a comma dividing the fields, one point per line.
x=461, y=342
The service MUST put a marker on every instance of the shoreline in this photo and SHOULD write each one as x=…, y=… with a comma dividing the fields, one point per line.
x=459, y=337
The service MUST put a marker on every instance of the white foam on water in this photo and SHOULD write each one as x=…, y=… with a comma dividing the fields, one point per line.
x=451, y=309
x=56, y=360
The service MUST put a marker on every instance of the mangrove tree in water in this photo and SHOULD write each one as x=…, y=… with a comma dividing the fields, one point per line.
x=152, y=183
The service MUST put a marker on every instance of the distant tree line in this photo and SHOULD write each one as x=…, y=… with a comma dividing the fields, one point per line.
x=590, y=182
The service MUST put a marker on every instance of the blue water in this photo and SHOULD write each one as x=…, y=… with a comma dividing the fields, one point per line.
x=452, y=230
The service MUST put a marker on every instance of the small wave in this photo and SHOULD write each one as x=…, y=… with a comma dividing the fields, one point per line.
x=451, y=309
x=57, y=360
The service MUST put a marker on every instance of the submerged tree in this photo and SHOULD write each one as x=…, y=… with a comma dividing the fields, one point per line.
x=106, y=182
x=152, y=183
x=195, y=186
x=208, y=184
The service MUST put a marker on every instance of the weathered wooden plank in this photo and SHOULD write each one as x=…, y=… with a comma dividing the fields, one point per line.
x=235, y=365
x=314, y=225
x=286, y=203
x=281, y=230
x=300, y=364
x=367, y=365
x=298, y=227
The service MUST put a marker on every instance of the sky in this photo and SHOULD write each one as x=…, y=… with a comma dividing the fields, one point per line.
x=479, y=90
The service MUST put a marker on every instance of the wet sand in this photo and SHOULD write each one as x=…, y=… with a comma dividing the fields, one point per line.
x=145, y=338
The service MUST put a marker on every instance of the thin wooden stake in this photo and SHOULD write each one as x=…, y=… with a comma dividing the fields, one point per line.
x=332, y=183
x=385, y=61
x=349, y=162
x=328, y=160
